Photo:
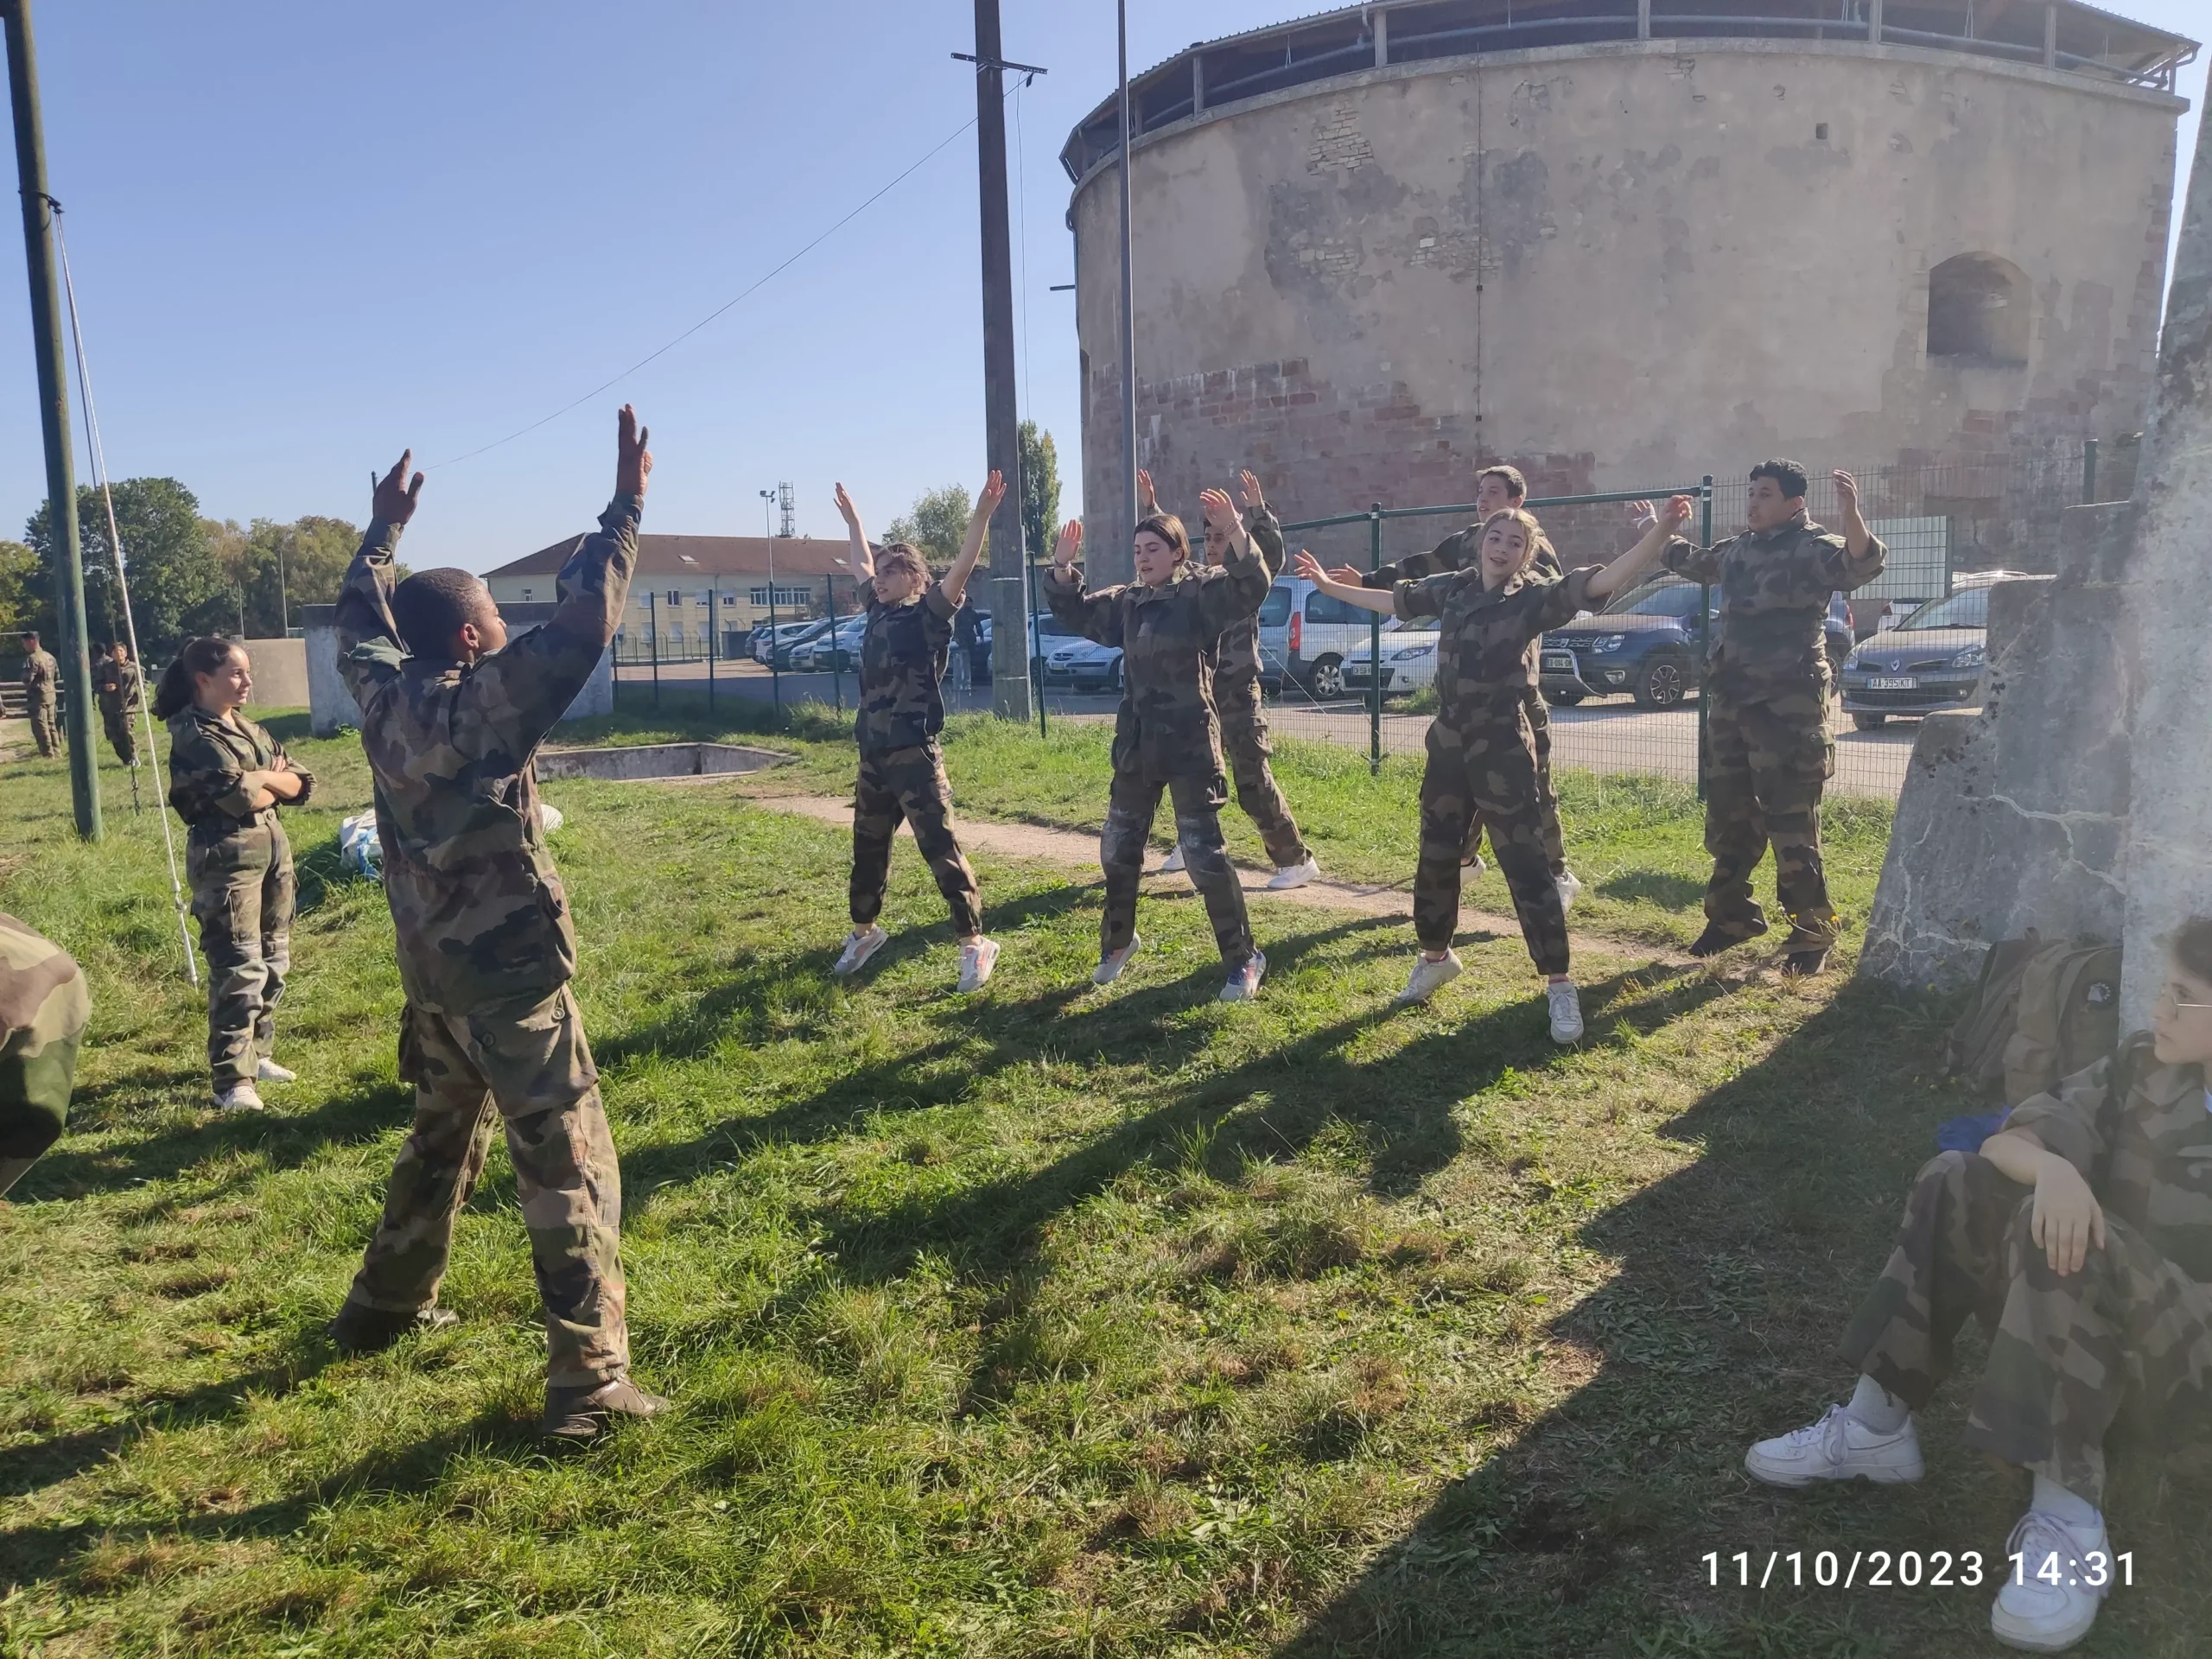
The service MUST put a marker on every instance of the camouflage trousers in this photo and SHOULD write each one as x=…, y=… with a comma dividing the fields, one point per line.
x=909, y=783
x=121, y=735
x=1767, y=762
x=523, y=1062
x=2065, y=1350
x=241, y=897
x=1244, y=740
x=1488, y=776
x=1539, y=726
x=46, y=727
x=1197, y=799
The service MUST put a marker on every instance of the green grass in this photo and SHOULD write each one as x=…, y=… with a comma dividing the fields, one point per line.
x=1047, y=1322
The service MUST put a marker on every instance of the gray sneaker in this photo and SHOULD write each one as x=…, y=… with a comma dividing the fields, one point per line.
x=1244, y=983
x=1429, y=976
x=586, y=1413
x=1110, y=965
x=859, y=945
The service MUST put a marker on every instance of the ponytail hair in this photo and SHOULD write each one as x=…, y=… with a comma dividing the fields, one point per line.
x=178, y=689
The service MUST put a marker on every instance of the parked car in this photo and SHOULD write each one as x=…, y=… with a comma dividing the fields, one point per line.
x=1046, y=633
x=1646, y=643
x=788, y=641
x=1933, y=659
x=1083, y=665
x=1305, y=636
x=1408, y=658
x=832, y=649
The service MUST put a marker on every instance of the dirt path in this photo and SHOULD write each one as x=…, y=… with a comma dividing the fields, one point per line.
x=1074, y=850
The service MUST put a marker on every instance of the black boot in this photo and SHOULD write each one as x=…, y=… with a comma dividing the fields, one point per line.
x=359, y=1330
x=585, y=1413
x=1806, y=963
x=1716, y=938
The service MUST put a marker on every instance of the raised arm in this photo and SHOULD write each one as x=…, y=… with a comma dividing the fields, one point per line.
x=955, y=581
x=1095, y=616
x=860, y=557
x=1864, y=555
x=1377, y=600
x=370, y=650
x=1148, y=499
x=1266, y=529
x=1240, y=587
x=1629, y=569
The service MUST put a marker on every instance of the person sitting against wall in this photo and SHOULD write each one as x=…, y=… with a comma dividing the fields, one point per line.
x=2080, y=1236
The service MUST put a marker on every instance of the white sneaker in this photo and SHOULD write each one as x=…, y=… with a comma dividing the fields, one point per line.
x=858, y=947
x=1173, y=862
x=1838, y=1447
x=1429, y=976
x=2036, y=1614
x=1474, y=866
x=241, y=1097
x=1567, y=1011
x=269, y=1071
x=1570, y=889
x=1244, y=984
x=1288, y=876
x=977, y=959
x=1110, y=965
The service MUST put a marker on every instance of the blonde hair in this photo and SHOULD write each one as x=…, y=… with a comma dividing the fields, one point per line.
x=1532, y=532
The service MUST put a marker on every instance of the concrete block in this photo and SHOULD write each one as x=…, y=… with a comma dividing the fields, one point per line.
x=331, y=707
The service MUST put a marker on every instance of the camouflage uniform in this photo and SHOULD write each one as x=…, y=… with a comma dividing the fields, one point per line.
x=117, y=686
x=1166, y=732
x=903, y=653
x=1243, y=726
x=1456, y=552
x=1768, y=754
x=2065, y=1350
x=239, y=866
x=43, y=1009
x=487, y=947
x=1482, y=752
x=41, y=683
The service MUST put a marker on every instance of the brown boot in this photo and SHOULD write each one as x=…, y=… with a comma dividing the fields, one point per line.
x=359, y=1330
x=585, y=1413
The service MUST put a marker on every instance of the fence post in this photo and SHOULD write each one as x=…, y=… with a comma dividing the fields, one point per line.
x=836, y=667
x=714, y=639
x=1375, y=647
x=1703, y=634
x=1029, y=637
x=652, y=638
x=2089, y=469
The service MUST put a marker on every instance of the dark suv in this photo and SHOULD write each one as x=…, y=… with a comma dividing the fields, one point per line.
x=1645, y=643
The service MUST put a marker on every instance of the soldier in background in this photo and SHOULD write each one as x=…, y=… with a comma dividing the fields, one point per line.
x=452, y=715
x=903, y=650
x=1237, y=695
x=1167, y=732
x=41, y=683
x=43, y=1009
x=117, y=684
x=1768, y=754
x=1497, y=488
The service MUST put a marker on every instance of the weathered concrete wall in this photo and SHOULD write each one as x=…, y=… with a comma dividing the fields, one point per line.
x=2170, y=840
x=1616, y=264
x=2017, y=816
x=280, y=672
x=332, y=706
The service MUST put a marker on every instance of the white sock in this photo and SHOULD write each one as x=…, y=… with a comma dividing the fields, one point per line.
x=1874, y=1407
x=2069, y=1506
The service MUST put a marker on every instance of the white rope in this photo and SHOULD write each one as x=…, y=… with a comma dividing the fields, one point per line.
x=122, y=591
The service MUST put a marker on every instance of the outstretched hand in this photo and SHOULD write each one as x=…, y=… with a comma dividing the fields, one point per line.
x=847, y=511
x=1310, y=568
x=988, y=499
x=1679, y=508
x=1070, y=544
x=1640, y=515
x=1220, y=511
x=1349, y=574
x=633, y=462
x=392, y=500
x=1147, y=503
x=1846, y=490
x=1250, y=482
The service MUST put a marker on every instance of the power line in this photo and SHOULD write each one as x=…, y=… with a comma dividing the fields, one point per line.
x=762, y=282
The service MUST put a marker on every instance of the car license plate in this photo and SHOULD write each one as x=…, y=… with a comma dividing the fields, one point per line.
x=1902, y=683
x=1559, y=662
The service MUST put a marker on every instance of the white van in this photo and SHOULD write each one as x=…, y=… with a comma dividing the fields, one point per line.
x=1305, y=636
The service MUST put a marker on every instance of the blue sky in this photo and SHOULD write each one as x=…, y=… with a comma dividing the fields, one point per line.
x=307, y=235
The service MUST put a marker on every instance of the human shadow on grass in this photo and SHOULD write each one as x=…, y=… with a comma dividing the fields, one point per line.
x=284, y=1139
x=1736, y=1277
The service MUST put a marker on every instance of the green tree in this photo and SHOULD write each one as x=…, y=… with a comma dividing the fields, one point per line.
x=1041, y=489
x=23, y=602
x=277, y=568
x=936, y=523
x=178, y=585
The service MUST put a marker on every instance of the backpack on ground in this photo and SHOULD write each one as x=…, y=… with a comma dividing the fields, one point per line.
x=2041, y=1013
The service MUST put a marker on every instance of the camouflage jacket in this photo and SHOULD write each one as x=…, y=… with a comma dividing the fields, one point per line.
x=116, y=684
x=2141, y=1135
x=478, y=908
x=1237, y=657
x=1485, y=668
x=1455, y=552
x=1774, y=599
x=208, y=760
x=41, y=675
x=1167, y=726
x=43, y=1008
x=903, y=649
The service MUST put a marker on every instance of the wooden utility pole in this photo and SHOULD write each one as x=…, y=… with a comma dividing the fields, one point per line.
x=1010, y=687
x=54, y=413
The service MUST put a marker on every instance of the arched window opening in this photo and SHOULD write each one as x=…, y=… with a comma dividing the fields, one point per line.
x=1978, y=311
